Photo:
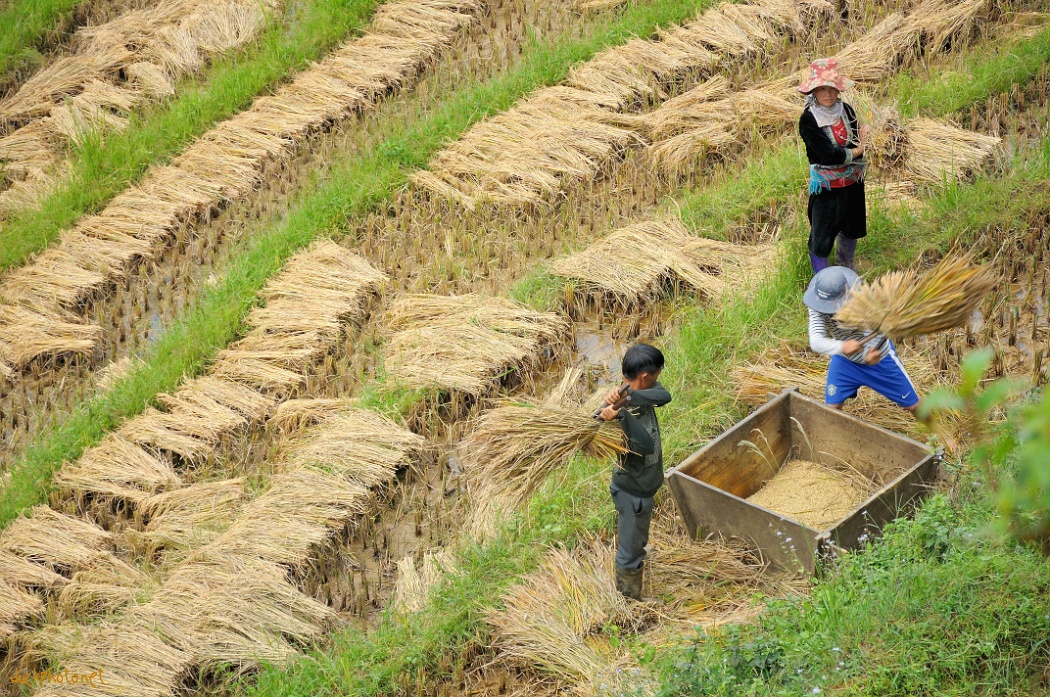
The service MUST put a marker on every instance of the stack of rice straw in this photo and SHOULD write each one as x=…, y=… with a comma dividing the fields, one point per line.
x=631, y=266
x=563, y=135
x=230, y=601
x=464, y=342
x=710, y=118
x=319, y=292
x=114, y=68
x=39, y=302
x=416, y=581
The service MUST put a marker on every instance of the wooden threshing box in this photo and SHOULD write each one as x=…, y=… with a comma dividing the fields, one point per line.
x=710, y=487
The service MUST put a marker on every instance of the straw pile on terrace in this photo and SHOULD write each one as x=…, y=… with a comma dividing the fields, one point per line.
x=661, y=252
x=220, y=167
x=788, y=366
x=938, y=151
x=116, y=468
x=515, y=447
x=561, y=136
x=706, y=120
x=464, y=342
x=190, y=517
x=323, y=480
x=54, y=540
x=903, y=304
x=554, y=620
x=115, y=68
x=104, y=588
x=233, y=610
x=131, y=659
x=17, y=605
x=22, y=572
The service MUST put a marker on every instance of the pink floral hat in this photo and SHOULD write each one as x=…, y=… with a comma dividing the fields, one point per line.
x=823, y=73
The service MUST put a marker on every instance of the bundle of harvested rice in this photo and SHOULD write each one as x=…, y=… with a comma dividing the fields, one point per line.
x=294, y=415
x=119, y=468
x=192, y=516
x=553, y=621
x=938, y=151
x=663, y=249
x=104, y=588
x=464, y=342
x=812, y=493
x=910, y=303
x=515, y=447
x=887, y=146
x=212, y=396
x=236, y=610
x=16, y=606
x=27, y=334
x=414, y=584
x=125, y=658
x=55, y=539
x=164, y=432
x=21, y=572
x=702, y=104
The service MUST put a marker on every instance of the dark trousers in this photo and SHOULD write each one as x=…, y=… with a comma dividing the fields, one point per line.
x=634, y=514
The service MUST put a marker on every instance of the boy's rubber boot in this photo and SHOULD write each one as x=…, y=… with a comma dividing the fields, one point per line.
x=629, y=582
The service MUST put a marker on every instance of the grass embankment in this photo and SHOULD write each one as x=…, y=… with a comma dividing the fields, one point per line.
x=103, y=167
x=354, y=188
x=26, y=26
x=709, y=342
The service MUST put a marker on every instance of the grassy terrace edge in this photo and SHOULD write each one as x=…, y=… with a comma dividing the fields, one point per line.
x=26, y=23
x=103, y=167
x=354, y=188
x=707, y=342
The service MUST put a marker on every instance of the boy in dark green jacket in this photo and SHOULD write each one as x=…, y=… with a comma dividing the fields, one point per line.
x=639, y=473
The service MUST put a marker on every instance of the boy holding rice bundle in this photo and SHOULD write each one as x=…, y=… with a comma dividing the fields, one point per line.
x=640, y=472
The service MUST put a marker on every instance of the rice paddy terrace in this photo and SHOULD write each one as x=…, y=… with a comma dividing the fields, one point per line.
x=263, y=393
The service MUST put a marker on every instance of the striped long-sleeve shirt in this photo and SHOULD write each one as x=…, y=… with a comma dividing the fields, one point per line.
x=827, y=336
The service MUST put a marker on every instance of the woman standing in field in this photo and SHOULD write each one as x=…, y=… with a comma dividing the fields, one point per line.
x=834, y=147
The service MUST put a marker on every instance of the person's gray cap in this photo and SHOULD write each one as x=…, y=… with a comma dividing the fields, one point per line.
x=828, y=289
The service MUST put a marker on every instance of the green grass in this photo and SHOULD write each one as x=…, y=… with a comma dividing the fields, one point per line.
x=26, y=24
x=102, y=168
x=353, y=188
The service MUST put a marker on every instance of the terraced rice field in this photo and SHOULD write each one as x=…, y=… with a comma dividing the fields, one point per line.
x=238, y=396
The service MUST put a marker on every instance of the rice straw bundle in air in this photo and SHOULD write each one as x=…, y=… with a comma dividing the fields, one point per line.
x=464, y=342
x=938, y=151
x=661, y=250
x=107, y=586
x=553, y=620
x=910, y=303
x=54, y=539
x=16, y=606
x=130, y=659
x=516, y=446
x=119, y=468
x=233, y=609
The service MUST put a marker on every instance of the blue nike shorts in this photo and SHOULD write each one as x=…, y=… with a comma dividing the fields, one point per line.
x=887, y=377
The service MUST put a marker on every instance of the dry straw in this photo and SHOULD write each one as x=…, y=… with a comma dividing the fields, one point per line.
x=228, y=609
x=192, y=516
x=118, y=468
x=105, y=588
x=22, y=572
x=464, y=342
x=553, y=620
x=218, y=168
x=938, y=151
x=903, y=304
x=54, y=539
x=17, y=605
x=414, y=582
x=515, y=447
x=132, y=659
x=661, y=251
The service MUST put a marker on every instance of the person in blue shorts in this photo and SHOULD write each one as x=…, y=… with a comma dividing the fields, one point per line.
x=873, y=364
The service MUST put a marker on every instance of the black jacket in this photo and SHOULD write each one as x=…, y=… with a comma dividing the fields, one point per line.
x=821, y=149
x=641, y=471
